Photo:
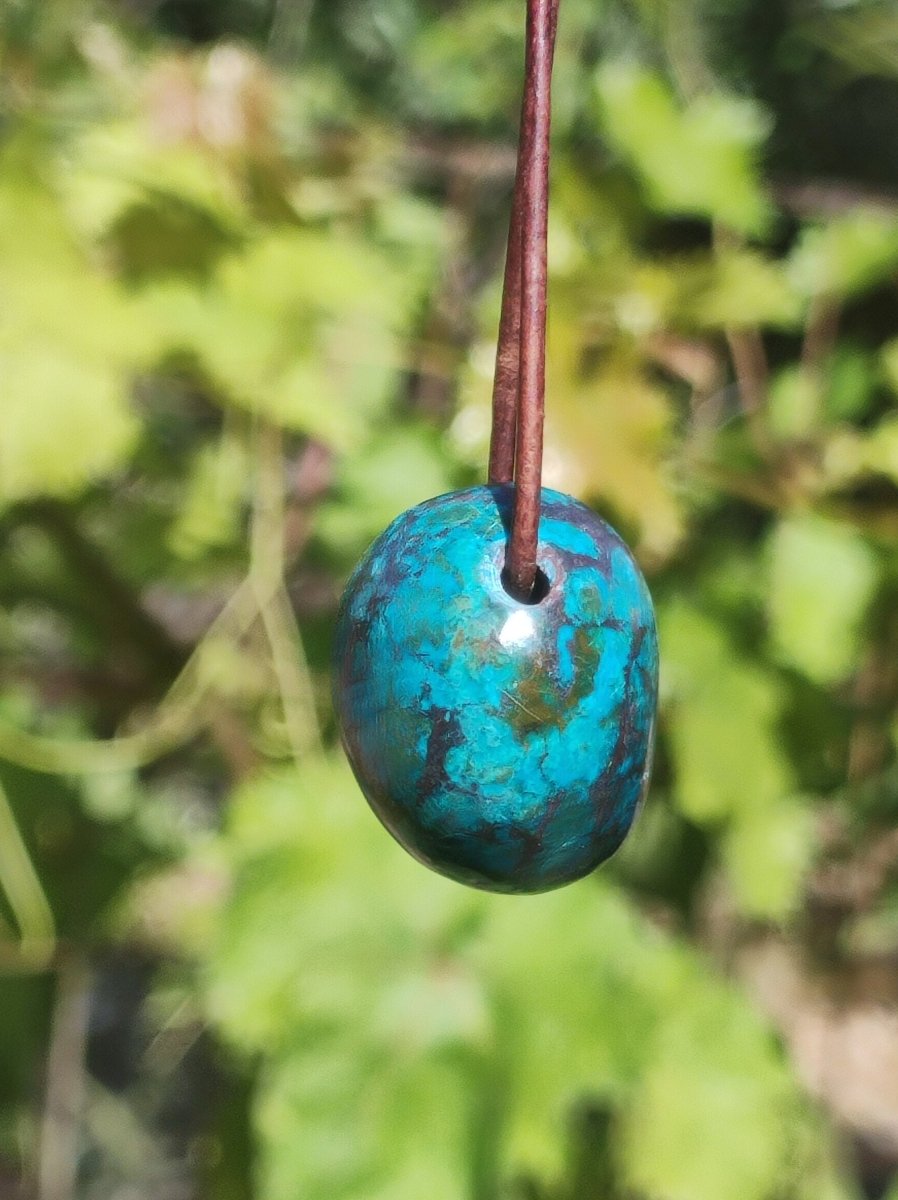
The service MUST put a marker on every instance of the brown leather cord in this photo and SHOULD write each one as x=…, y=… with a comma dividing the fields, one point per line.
x=508, y=352
x=508, y=356
x=519, y=390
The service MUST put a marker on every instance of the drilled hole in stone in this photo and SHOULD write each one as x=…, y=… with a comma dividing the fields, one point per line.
x=541, y=587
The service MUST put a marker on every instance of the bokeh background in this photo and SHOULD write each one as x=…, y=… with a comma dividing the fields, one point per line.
x=250, y=254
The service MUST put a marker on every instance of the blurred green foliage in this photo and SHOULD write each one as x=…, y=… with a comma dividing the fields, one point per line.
x=250, y=258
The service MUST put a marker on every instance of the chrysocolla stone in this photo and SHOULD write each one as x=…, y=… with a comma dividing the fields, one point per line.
x=507, y=745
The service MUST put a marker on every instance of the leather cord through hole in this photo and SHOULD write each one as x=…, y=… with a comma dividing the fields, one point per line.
x=519, y=390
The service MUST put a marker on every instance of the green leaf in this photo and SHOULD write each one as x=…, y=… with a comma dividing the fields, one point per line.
x=397, y=470
x=300, y=326
x=65, y=421
x=890, y=364
x=768, y=852
x=69, y=342
x=463, y=66
x=216, y=492
x=608, y=435
x=853, y=379
x=700, y=160
x=848, y=255
x=321, y=1118
x=793, y=403
x=741, y=288
x=880, y=448
x=722, y=720
x=110, y=169
x=431, y=1020
x=822, y=579
x=364, y=1019
x=558, y=997
x=710, y=1120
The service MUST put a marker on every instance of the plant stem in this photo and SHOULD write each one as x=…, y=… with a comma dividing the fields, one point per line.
x=64, y=1096
x=20, y=882
x=266, y=576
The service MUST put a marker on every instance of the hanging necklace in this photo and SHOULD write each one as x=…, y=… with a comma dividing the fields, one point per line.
x=496, y=659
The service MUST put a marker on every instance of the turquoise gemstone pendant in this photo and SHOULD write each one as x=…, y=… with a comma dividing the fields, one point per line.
x=505, y=744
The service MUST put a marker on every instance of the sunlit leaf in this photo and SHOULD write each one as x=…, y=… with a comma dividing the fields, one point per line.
x=822, y=579
x=743, y=289
x=394, y=472
x=110, y=168
x=880, y=448
x=463, y=65
x=698, y=160
x=890, y=363
x=722, y=720
x=68, y=345
x=299, y=326
x=794, y=403
x=847, y=255
x=437, y=1015
x=608, y=436
x=852, y=381
x=768, y=853
x=216, y=491
x=716, y=1085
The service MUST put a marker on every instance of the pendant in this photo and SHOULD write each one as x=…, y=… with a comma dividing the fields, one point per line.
x=505, y=744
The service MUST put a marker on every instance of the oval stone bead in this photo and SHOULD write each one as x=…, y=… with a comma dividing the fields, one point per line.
x=507, y=745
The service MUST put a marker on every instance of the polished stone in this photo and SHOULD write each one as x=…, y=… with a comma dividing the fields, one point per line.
x=507, y=745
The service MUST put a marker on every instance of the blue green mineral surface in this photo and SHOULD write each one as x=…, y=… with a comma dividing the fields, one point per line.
x=505, y=744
